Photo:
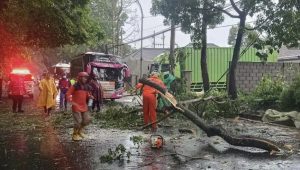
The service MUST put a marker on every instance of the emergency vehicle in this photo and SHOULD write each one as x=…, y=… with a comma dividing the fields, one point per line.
x=28, y=80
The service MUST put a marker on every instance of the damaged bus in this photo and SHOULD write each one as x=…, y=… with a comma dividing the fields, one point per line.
x=108, y=69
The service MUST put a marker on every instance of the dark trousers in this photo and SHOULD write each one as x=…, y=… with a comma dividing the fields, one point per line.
x=62, y=99
x=17, y=102
x=96, y=103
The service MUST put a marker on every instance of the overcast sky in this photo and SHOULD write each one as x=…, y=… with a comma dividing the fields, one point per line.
x=217, y=36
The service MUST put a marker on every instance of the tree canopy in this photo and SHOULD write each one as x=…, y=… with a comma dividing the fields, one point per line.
x=281, y=24
x=194, y=16
x=250, y=35
x=49, y=23
x=112, y=15
x=189, y=14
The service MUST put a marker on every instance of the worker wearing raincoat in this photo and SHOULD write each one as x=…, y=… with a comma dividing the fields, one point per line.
x=149, y=100
x=163, y=104
x=48, y=93
x=78, y=95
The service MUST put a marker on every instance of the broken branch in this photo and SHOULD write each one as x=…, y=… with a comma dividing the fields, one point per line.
x=197, y=100
x=214, y=131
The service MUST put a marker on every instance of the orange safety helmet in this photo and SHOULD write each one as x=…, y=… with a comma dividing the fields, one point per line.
x=83, y=74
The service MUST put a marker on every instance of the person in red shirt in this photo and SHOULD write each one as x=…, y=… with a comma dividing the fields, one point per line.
x=78, y=95
x=17, y=90
x=149, y=99
x=97, y=93
x=63, y=85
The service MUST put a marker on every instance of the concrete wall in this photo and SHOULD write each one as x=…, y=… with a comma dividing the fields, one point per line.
x=248, y=74
x=134, y=67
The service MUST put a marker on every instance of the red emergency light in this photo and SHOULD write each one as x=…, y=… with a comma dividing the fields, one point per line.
x=20, y=71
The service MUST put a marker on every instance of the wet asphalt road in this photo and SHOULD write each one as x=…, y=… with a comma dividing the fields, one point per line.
x=27, y=141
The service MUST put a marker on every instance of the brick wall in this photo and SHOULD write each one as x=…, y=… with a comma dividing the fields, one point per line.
x=248, y=75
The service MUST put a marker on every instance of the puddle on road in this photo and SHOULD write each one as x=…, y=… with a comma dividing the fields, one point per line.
x=47, y=148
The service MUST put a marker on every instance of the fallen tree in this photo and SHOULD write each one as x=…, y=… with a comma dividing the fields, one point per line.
x=245, y=141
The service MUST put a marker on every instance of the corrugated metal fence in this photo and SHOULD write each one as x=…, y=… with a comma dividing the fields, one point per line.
x=217, y=62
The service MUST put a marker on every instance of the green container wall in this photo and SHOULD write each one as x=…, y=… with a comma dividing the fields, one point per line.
x=217, y=62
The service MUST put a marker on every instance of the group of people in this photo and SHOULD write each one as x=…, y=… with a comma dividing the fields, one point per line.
x=78, y=94
x=75, y=93
x=49, y=91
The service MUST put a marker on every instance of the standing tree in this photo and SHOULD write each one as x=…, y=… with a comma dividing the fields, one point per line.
x=243, y=9
x=112, y=15
x=250, y=36
x=194, y=16
x=279, y=21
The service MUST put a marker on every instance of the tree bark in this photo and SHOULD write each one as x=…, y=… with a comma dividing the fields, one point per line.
x=204, y=72
x=232, y=90
x=248, y=141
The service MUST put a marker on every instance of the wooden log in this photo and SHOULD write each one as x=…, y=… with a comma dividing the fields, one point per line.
x=196, y=100
x=248, y=141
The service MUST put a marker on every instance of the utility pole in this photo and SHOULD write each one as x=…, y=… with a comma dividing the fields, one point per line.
x=163, y=40
x=113, y=27
x=154, y=40
x=142, y=29
x=121, y=47
x=172, y=48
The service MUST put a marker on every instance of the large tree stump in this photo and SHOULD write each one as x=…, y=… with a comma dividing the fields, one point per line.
x=248, y=141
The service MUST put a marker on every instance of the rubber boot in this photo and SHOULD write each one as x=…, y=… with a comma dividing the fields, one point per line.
x=76, y=136
x=80, y=132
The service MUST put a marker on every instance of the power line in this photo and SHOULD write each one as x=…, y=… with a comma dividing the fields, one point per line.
x=146, y=37
x=157, y=26
x=166, y=30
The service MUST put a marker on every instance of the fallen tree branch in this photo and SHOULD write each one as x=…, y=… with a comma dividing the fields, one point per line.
x=190, y=157
x=231, y=139
x=196, y=100
x=214, y=131
x=210, y=98
x=268, y=123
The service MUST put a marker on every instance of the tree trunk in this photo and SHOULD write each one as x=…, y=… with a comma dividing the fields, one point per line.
x=172, y=48
x=247, y=141
x=232, y=90
x=204, y=71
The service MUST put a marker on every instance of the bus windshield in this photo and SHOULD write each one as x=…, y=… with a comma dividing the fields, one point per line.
x=107, y=74
x=103, y=58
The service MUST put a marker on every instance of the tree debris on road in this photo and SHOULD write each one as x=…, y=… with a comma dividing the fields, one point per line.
x=245, y=141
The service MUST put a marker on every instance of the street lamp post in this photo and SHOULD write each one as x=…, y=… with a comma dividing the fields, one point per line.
x=142, y=29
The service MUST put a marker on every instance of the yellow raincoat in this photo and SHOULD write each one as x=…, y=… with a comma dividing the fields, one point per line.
x=48, y=92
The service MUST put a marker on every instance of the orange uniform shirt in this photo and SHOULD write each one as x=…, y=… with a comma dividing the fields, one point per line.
x=149, y=90
x=79, y=96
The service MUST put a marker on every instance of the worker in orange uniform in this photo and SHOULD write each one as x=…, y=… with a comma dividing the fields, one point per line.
x=149, y=99
x=78, y=95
